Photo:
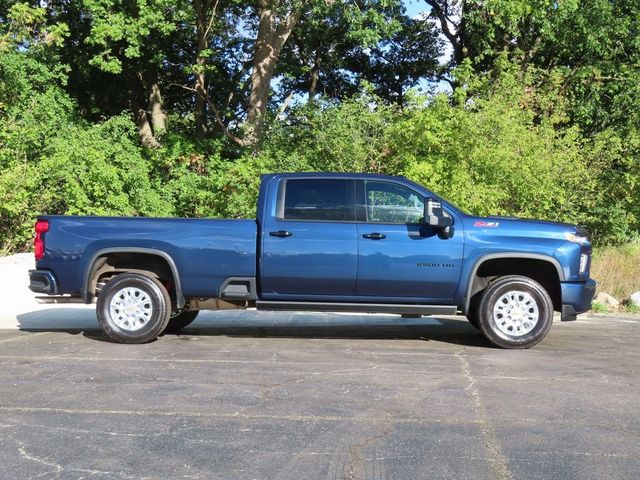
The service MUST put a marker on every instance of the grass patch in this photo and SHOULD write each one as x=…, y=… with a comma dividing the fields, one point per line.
x=617, y=270
x=632, y=308
x=597, y=307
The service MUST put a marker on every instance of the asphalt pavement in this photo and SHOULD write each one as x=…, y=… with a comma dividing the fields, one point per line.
x=255, y=395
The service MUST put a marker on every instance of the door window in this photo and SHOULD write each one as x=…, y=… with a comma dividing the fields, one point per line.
x=392, y=203
x=319, y=199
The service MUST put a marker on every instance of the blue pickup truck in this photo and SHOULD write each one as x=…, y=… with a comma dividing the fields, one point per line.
x=321, y=242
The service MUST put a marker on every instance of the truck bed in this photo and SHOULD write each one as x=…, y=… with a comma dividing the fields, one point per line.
x=205, y=251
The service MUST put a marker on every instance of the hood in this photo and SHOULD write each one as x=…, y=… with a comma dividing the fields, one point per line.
x=566, y=226
x=504, y=223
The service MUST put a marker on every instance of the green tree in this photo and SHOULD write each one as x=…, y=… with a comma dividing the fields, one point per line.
x=130, y=40
x=52, y=161
x=327, y=51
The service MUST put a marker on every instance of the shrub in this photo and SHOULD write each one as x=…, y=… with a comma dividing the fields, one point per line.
x=617, y=269
x=493, y=157
x=85, y=170
x=352, y=136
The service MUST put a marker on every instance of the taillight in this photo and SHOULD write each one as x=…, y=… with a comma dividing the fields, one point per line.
x=42, y=226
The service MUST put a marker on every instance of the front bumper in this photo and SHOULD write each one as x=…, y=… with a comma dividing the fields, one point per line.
x=576, y=298
x=43, y=281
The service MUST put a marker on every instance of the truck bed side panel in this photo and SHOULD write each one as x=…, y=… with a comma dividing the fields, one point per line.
x=205, y=251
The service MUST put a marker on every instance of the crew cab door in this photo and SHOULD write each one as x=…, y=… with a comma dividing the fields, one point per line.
x=309, y=244
x=399, y=257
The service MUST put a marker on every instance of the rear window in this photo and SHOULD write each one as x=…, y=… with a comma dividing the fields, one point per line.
x=318, y=199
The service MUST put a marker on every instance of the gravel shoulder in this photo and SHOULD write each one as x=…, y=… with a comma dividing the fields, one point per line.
x=17, y=301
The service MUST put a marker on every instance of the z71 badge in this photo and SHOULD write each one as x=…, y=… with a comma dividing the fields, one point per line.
x=486, y=224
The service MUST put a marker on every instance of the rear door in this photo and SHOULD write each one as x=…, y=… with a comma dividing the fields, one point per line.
x=309, y=248
x=398, y=256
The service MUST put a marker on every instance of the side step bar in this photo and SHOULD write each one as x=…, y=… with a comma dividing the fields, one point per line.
x=399, y=309
x=59, y=299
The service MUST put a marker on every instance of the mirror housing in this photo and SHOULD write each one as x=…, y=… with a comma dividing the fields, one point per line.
x=447, y=232
x=434, y=215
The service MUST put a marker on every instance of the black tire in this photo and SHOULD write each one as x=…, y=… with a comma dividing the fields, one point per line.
x=180, y=320
x=515, y=330
x=144, y=293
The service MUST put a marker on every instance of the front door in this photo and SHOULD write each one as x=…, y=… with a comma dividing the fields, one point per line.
x=309, y=248
x=398, y=257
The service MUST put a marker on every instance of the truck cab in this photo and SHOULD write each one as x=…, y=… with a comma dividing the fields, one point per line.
x=360, y=239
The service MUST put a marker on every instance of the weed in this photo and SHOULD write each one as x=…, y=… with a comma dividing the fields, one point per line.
x=630, y=307
x=597, y=307
x=617, y=269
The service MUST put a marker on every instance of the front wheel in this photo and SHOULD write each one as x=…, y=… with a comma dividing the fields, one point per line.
x=515, y=312
x=133, y=308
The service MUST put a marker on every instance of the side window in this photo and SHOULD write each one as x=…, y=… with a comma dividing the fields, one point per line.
x=319, y=199
x=391, y=203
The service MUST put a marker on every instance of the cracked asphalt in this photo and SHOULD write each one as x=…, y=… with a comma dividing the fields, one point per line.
x=254, y=395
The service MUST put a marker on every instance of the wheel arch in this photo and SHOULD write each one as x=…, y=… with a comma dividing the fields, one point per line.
x=93, y=268
x=477, y=282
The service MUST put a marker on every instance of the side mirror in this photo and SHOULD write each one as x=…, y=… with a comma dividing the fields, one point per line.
x=434, y=215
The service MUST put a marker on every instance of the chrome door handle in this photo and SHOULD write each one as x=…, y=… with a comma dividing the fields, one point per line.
x=280, y=233
x=374, y=236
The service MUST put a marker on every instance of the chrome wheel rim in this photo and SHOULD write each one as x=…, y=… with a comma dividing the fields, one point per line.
x=131, y=308
x=516, y=313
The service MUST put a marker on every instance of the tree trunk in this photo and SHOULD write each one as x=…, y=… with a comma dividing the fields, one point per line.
x=138, y=89
x=314, y=77
x=158, y=117
x=272, y=35
x=444, y=12
x=457, y=38
x=200, y=113
x=144, y=129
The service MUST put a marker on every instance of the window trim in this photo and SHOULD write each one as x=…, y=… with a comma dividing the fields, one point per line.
x=351, y=185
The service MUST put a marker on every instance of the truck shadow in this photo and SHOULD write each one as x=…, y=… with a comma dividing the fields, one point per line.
x=275, y=324
x=448, y=332
x=59, y=319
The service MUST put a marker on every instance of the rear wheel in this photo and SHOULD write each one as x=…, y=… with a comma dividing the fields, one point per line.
x=180, y=320
x=133, y=308
x=515, y=312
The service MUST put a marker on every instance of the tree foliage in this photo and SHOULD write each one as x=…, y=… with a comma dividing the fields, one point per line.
x=176, y=108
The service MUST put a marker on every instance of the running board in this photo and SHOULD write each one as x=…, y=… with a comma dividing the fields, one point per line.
x=399, y=309
x=59, y=299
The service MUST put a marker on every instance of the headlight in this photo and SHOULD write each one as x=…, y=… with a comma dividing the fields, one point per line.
x=572, y=237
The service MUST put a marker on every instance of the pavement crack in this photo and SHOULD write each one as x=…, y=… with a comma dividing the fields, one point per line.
x=497, y=463
x=56, y=469
x=108, y=433
x=268, y=390
x=22, y=450
x=356, y=460
x=235, y=415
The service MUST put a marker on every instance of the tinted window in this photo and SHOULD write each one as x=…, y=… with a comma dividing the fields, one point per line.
x=391, y=203
x=318, y=199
